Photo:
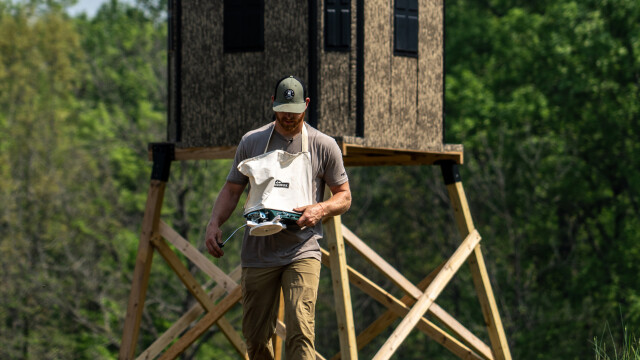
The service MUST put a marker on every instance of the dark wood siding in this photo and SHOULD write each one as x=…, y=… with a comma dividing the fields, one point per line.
x=224, y=95
x=337, y=83
x=377, y=70
x=430, y=119
x=403, y=95
x=202, y=88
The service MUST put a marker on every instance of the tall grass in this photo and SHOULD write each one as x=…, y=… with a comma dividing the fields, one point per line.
x=606, y=349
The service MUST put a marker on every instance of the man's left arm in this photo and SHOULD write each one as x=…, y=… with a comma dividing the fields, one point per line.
x=337, y=204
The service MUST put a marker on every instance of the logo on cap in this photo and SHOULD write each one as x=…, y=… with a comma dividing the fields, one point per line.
x=289, y=94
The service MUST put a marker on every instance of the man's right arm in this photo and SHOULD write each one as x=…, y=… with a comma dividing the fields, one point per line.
x=225, y=204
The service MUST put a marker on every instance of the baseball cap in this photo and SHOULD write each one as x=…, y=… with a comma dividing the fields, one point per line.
x=290, y=96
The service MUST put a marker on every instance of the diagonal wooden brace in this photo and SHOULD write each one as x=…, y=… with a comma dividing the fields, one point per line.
x=196, y=290
x=399, y=309
x=389, y=317
x=199, y=259
x=429, y=296
x=203, y=325
x=403, y=283
x=184, y=321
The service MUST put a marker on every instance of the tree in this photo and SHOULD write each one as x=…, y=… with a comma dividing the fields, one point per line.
x=543, y=96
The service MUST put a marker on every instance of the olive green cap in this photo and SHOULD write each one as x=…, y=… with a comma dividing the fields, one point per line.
x=289, y=96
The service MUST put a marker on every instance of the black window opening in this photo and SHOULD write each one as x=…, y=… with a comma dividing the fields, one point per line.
x=337, y=25
x=243, y=25
x=406, y=28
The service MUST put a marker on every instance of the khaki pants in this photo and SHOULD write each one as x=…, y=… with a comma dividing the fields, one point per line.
x=260, y=301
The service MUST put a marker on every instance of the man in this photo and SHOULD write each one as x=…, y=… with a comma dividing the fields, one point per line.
x=289, y=259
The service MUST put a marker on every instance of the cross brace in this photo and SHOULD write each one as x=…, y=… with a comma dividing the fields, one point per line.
x=418, y=300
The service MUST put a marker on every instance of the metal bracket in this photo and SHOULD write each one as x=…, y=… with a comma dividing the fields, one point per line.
x=450, y=172
x=163, y=155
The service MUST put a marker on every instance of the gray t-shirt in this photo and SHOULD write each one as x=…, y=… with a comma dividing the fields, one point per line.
x=290, y=244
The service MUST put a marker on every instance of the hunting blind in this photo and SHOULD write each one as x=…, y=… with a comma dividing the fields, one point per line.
x=374, y=71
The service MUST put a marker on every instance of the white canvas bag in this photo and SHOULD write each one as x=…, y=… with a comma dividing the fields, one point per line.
x=278, y=179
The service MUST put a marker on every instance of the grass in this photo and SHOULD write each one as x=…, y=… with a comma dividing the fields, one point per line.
x=605, y=347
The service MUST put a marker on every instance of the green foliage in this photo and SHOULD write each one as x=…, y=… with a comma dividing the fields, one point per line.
x=605, y=347
x=544, y=97
x=73, y=175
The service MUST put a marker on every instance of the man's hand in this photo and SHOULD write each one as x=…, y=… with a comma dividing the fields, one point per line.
x=213, y=238
x=311, y=214
x=336, y=205
x=222, y=209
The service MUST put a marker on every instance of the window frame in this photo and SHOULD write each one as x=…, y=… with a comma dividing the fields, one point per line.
x=341, y=26
x=235, y=10
x=406, y=16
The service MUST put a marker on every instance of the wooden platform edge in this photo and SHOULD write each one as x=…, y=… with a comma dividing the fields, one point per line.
x=353, y=155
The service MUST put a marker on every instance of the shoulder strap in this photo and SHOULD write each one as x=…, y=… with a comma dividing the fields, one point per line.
x=305, y=138
x=270, y=135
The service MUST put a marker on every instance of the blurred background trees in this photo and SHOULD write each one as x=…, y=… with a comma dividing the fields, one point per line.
x=544, y=96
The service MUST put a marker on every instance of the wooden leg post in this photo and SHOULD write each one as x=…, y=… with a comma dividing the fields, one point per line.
x=163, y=154
x=341, y=292
x=277, y=340
x=481, y=281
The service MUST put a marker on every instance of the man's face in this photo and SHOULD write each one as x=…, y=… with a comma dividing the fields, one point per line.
x=289, y=121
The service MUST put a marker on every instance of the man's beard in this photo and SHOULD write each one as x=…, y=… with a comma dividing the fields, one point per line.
x=290, y=123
